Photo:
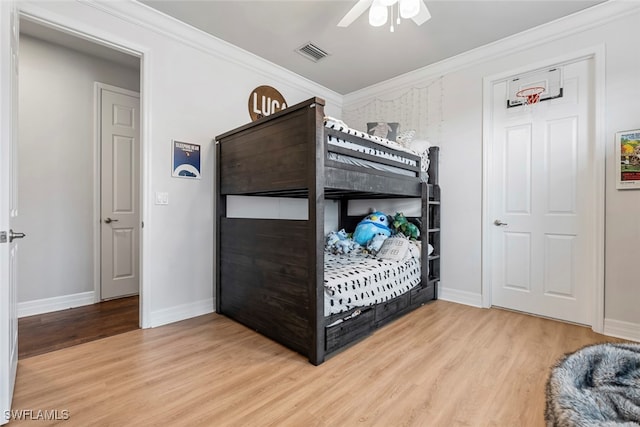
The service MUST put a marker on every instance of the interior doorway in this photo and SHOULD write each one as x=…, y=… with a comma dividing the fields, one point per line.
x=60, y=163
x=543, y=206
x=118, y=112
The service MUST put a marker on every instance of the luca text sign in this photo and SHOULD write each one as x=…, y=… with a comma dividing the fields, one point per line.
x=264, y=101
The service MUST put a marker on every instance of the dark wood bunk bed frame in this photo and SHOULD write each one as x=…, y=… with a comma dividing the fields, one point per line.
x=270, y=272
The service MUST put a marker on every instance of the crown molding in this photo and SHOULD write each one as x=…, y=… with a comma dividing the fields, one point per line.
x=144, y=16
x=578, y=22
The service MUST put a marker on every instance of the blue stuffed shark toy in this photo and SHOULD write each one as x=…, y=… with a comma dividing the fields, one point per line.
x=373, y=224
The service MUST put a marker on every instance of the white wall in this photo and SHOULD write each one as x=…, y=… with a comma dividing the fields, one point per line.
x=56, y=166
x=279, y=208
x=194, y=88
x=617, y=26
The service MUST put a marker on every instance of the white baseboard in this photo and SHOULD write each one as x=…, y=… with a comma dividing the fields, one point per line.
x=181, y=312
x=620, y=329
x=461, y=297
x=47, y=305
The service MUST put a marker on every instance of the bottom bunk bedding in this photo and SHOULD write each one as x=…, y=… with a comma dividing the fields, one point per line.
x=361, y=280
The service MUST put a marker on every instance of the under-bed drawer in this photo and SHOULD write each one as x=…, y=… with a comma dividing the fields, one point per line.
x=391, y=307
x=420, y=295
x=349, y=330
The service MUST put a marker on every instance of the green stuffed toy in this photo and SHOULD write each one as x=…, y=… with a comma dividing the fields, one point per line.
x=402, y=225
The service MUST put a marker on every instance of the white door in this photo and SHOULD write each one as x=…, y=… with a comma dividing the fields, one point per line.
x=9, y=27
x=120, y=197
x=543, y=256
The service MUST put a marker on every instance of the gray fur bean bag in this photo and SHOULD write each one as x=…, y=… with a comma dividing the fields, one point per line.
x=598, y=385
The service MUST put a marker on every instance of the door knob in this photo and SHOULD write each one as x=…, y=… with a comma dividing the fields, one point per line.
x=498, y=223
x=15, y=235
x=109, y=220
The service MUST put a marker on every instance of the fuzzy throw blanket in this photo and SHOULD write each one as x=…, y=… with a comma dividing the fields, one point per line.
x=598, y=385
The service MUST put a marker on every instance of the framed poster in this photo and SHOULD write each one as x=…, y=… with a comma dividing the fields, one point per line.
x=628, y=159
x=185, y=160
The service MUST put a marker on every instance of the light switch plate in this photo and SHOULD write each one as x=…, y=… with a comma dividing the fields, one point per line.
x=162, y=198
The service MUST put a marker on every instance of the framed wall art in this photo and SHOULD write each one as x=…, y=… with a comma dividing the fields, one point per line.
x=185, y=160
x=628, y=159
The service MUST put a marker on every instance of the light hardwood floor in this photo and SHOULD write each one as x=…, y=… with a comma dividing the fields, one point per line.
x=442, y=365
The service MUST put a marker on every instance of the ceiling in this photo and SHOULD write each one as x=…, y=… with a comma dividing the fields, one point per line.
x=361, y=55
x=70, y=41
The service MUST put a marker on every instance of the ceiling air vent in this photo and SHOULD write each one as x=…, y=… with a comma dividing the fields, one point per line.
x=312, y=52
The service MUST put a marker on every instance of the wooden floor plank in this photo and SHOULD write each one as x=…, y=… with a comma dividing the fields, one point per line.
x=444, y=364
x=47, y=332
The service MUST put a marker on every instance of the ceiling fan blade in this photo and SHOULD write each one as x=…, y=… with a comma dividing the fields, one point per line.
x=423, y=14
x=355, y=12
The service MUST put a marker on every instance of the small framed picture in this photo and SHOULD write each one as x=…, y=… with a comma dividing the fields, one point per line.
x=185, y=160
x=628, y=159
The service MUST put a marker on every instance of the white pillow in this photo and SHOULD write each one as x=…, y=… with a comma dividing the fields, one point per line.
x=394, y=249
x=405, y=137
x=421, y=146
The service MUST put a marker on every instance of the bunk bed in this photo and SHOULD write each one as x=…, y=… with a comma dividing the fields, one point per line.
x=270, y=272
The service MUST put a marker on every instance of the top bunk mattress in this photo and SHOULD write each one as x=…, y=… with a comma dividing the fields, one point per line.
x=382, y=148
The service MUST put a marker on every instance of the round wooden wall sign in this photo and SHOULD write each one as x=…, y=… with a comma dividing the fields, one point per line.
x=264, y=101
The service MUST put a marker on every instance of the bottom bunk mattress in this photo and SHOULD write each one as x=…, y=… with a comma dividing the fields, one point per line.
x=362, y=280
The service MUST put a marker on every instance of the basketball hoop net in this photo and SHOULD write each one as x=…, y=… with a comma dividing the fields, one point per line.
x=530, y=95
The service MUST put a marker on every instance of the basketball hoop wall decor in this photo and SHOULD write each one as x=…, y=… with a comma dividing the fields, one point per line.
x=264, y=101
x=530, y=95
x=531, y=88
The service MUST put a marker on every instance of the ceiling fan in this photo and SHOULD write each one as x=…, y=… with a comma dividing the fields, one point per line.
x=378, y=12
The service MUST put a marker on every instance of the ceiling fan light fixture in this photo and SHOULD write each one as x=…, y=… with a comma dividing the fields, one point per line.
x=409, y=8
x=415, y=10
x=378, y=14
